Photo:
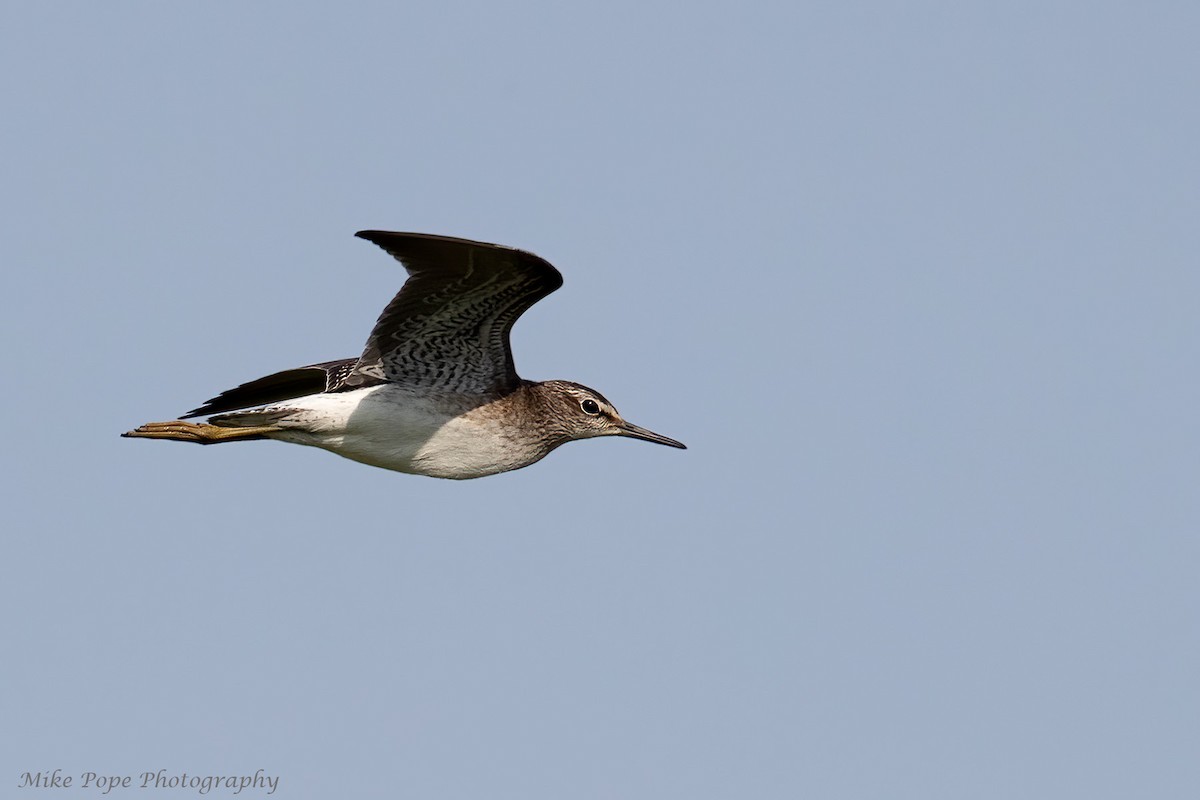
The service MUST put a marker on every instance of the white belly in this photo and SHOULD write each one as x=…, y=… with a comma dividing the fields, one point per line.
x=396, y=429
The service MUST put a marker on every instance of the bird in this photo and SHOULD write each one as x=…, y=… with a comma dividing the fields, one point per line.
x=435, y=391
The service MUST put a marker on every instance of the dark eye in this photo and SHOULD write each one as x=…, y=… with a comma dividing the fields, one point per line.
x=590, y=407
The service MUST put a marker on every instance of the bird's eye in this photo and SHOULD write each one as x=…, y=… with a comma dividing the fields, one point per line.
x=590, y=407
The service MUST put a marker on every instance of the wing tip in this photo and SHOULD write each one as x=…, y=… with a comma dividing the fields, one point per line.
x=384, y=238
x=371, y=236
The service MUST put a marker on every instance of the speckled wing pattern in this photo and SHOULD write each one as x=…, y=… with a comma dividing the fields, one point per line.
x=448, y=327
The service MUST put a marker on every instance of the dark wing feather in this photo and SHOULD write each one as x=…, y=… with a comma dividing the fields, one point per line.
x=448, y=328
x=313, y=379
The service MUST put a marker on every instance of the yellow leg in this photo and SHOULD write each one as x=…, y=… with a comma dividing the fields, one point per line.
x=200, y=433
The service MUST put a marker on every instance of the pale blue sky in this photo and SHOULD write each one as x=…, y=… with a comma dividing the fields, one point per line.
x=916, y=283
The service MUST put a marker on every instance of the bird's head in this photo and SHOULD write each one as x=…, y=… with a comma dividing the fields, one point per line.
x=584, y=413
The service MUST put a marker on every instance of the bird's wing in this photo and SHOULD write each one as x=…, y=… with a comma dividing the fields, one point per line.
x=448, y=326
x=313, y=379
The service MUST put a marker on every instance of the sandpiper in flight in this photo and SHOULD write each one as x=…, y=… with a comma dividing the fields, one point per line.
x=435, y=391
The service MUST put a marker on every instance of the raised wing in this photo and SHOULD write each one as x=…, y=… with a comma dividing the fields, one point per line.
x=448, y=326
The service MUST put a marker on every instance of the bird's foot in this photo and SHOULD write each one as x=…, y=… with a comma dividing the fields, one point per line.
x=199, y=433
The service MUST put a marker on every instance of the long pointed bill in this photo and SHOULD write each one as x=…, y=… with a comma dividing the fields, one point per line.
x=634, y=432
